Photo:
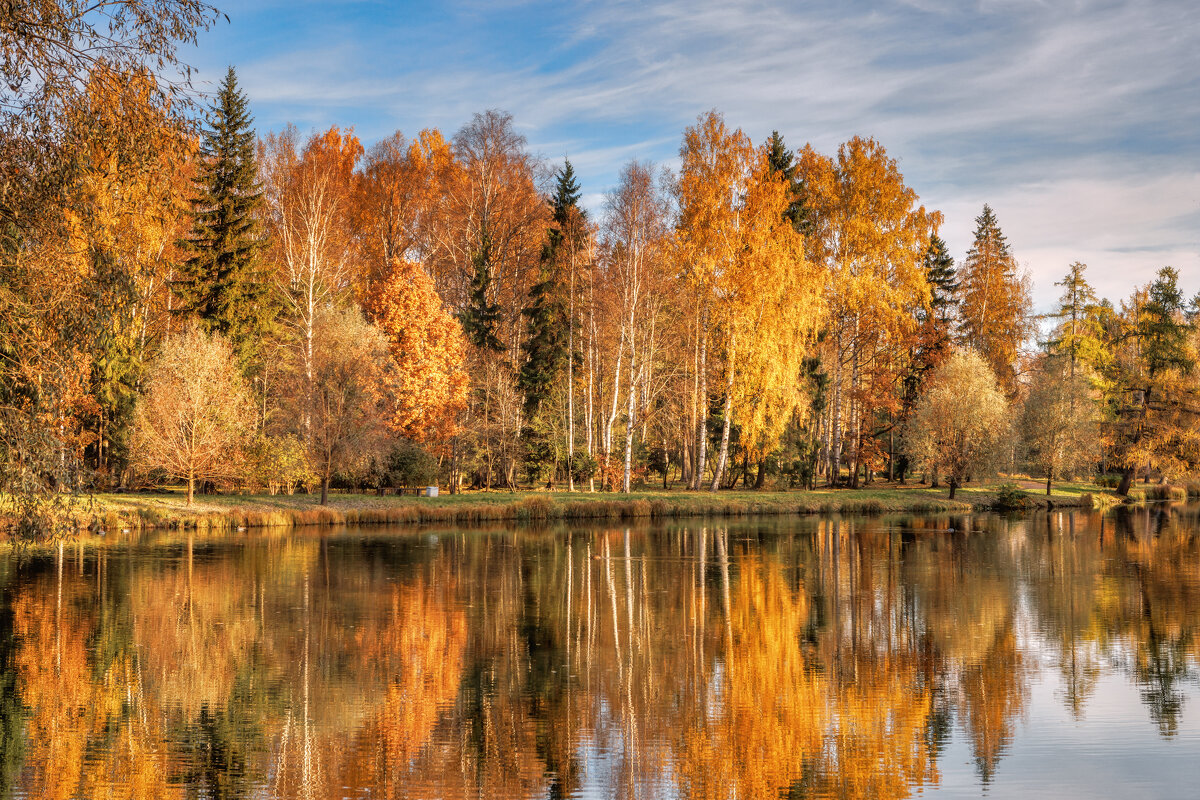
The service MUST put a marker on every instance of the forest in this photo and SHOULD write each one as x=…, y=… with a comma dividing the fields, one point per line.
x=188, y=301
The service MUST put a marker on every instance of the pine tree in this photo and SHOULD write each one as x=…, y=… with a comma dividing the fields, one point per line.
x=481, y=316
x=223, y=282
x=995, y=302
x=545, y=345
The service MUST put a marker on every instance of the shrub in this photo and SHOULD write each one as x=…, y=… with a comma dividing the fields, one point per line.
x=1010, y=497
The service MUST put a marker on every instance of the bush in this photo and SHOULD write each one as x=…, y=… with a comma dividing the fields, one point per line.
x=1010, y=497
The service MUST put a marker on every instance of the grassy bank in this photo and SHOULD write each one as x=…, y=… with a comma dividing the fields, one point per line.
x=232, y=512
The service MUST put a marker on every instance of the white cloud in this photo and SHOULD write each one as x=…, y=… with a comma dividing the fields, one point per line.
x=1074, y=120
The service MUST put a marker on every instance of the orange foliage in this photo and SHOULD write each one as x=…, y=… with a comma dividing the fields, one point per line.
x=428, y=347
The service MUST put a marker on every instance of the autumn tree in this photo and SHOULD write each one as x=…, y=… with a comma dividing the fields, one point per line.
x=1078, y=333
x=484, y=252
x=871, y=236
x=193, y=418
x=223, y=281
x=1152, y=388
x=309, y=200
x=757, y=293
x=994, y=301
x=1059, y=420
x=345, y=401
x=959, y=425
x=399, y=189
x=55, y=309
x=428, y=348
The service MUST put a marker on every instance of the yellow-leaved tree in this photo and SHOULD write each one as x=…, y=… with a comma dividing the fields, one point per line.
x=870, y=234
x=196, y=412
x=961, y=422
x=758, y=295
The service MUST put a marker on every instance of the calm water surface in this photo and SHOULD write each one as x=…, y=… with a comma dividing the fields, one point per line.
x=1054, y=655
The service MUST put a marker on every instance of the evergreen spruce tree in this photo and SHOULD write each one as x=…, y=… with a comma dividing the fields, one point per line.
x=480, y=318
x=782, y=160
x=940, y=272
x=223, y=281
x=545, y=345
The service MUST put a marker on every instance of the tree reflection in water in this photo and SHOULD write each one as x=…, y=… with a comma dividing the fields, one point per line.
x=798, y=658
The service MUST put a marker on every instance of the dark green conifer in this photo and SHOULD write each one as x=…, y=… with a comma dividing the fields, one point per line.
x=546, y=320
x=481, y=317
x=782, y=160
x=943, y=284
x=223, y=281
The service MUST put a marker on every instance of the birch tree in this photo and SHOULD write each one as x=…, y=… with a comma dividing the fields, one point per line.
x=308, y=195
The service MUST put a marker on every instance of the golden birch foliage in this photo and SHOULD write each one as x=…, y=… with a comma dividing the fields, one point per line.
x=715, y=169
x=196, y=411
x=397, y=195
x=745, y=264
x=870, y=235
x=780, y=295
x=429, y=350
x=488, y=200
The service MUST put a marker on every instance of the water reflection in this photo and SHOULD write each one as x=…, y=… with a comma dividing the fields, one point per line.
x=798, y=659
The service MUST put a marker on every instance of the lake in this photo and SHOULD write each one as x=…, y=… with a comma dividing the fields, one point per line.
x=1048, y=655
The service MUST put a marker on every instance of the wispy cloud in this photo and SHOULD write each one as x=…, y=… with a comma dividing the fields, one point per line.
x=1076, y=120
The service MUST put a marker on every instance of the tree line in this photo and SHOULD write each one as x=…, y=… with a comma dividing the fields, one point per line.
x=184, y=299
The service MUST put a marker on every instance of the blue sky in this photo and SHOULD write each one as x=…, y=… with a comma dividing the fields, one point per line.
x=1076, y=120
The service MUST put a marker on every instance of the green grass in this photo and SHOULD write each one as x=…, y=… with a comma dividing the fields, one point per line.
x=234, y=512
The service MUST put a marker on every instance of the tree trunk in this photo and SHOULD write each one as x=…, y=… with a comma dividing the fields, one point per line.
x=630, y=410
x=724, y=456
x=191, y=487
x=953, y=487
x=325, y=489
x=761, y=477
x=1048, y=476
x=1126, y=481
x=702, y=415
x=571, y=379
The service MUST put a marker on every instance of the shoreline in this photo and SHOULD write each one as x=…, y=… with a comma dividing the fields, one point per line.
x=166, y=511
